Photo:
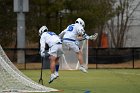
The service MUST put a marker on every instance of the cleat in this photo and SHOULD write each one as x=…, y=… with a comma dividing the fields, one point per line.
x=83, y=69
x=56, y=74
x=53, y=77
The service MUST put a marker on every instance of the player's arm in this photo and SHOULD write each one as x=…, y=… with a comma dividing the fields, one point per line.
x=62, y=34
x=80, y=32
x=92, y=37
x=42, y=47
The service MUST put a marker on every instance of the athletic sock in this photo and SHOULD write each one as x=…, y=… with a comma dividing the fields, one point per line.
x=56, y=68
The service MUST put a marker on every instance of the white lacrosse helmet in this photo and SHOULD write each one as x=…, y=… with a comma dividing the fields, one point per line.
x=80, y=21
x=42, y=30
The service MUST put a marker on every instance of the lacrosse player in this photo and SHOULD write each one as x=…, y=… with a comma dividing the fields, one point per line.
x=55, y=49
x=71, y=37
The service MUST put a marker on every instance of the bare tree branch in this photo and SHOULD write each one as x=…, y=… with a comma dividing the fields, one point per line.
x=122, y=21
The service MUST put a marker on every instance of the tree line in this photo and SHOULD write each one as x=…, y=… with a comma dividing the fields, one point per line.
x=57, y=14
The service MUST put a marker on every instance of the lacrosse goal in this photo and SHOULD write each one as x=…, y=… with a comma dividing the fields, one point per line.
x=69, y=61
x=12, y=80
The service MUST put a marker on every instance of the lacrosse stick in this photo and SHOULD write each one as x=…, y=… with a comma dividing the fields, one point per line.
x=41, y=80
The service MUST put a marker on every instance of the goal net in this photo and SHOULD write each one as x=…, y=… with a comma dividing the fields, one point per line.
x=69, y=60
x=13, y=80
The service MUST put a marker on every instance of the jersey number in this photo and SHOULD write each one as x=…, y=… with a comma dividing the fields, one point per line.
x=70, y=28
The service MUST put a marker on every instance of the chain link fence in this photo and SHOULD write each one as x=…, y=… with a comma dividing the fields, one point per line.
x=97, y=58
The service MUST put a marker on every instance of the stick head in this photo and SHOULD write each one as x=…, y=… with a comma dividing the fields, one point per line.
x=93, y=37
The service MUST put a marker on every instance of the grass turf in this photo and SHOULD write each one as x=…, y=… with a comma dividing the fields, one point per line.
x=96, y=81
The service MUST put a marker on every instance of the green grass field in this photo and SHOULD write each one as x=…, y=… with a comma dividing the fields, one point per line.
x=96, y=81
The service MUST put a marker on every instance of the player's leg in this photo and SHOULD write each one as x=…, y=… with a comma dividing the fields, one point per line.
x=53, y=57
x=52, y=63
x=79, y=54
x=59, y=54
x=54, y=60
x=52, y=68
x=57, y=67
x=80, y=58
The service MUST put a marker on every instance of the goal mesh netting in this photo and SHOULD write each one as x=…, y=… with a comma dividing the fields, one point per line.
x=69, y=60
x=13, y=80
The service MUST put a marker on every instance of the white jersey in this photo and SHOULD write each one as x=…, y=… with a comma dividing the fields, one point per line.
x=72, y=31
x=70, y=34
x=49, y=38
